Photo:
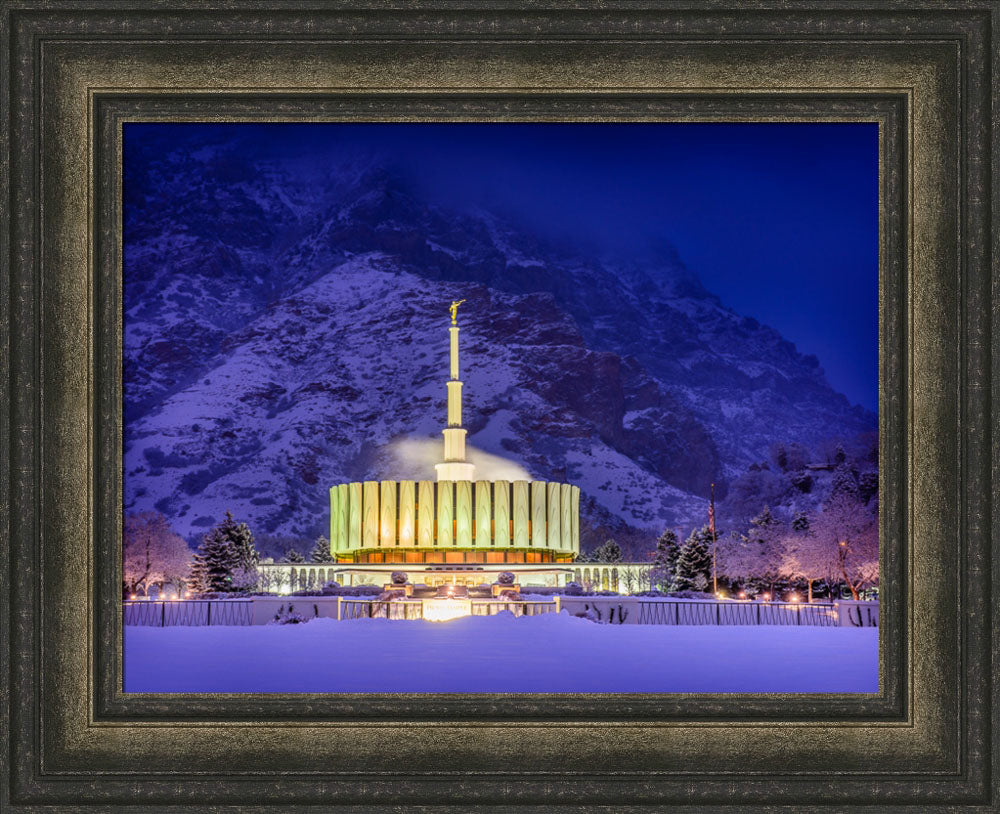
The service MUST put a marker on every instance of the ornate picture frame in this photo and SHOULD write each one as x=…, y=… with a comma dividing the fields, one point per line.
x=77, y=71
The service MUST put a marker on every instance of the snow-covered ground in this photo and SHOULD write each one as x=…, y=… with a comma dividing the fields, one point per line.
x=550, y=653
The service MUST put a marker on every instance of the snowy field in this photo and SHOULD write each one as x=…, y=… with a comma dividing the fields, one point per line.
x=549, y=653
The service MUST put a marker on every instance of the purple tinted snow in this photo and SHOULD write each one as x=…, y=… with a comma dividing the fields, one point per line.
x=499, y=654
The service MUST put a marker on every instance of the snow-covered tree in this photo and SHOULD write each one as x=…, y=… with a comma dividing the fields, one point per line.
x=198, y=581
x=321, y=551
x=808, y=556
x=665, y=560
x=748, y=491
x=609, y=551
x=851, y=531
x=789, y=457
x=266, y=580
x=278, y=580
x=845, y=482
x=293, y=556
x=868, y=487
x=737, y=560
x=152, y=553
x=766, y=540
x=244, y=555
x=694, y=560
x=226, y=559
x=210, y=565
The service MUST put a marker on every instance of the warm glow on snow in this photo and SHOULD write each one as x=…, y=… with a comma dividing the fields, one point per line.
x=441, y=610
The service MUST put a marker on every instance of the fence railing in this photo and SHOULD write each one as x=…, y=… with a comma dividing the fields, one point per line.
x=191, y=612
x=240, y=612
x=414, y=609
x=489, y=607
x=375, y=609
x=737, y=613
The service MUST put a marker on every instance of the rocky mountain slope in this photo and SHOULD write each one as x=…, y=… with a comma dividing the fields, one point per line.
x=285, y=328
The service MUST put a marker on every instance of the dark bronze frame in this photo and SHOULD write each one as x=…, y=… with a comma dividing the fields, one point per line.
x=923, y=70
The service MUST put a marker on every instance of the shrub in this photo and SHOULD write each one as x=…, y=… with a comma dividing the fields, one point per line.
x=511, y=596
x=288, y=616
x=333, y=589
x=692, y=595
x=359, y=590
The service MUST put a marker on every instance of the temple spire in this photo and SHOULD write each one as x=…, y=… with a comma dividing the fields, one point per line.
x=454, y=466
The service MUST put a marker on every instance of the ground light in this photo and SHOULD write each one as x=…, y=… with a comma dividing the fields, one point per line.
x=441, y=610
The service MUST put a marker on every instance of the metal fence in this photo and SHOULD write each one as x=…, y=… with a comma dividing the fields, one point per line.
x=194, y=612
x=489, y=607
x=737, y=613
x=414, y=609
x=375, y=609
x=191, y=612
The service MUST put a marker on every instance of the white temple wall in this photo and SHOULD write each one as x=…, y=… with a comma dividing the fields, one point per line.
x=624, y=577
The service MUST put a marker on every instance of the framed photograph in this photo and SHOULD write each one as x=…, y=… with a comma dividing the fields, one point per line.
x=499, y=310
x=443, y=371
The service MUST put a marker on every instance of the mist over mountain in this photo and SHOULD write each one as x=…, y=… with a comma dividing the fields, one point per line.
x=285, y=329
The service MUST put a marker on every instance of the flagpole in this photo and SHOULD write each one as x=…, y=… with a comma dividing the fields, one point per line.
x=711, y=526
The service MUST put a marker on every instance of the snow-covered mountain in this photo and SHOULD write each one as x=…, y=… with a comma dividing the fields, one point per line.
x=285, y=328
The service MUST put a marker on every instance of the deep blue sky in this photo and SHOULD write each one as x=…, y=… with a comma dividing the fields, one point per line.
x=779, y=220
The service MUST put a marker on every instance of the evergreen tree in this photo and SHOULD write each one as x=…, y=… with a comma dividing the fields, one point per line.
x=321, y=551
x=845, y=483
x=694, y=561
x=197, y=581
x=868, y=486
x=609, y=551
x=226, y=559
x=293, y=556
x=665, y=559
x=763, y=520
x=243, y=555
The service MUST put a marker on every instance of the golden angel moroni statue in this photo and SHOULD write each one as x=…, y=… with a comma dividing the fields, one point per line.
x=454, y=310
